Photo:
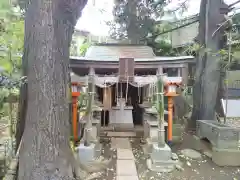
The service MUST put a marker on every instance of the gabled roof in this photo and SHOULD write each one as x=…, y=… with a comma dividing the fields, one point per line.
x=109, y=52
x=116, y=59
x=112, y=53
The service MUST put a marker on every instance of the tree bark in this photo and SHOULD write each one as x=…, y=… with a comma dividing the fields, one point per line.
x=45, y=152
x=22, y=107
x=208, y=62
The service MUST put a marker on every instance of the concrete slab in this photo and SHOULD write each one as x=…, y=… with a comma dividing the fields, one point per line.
x=125, y=154
x=127, y=178
x=126, y=168
x=122, y=143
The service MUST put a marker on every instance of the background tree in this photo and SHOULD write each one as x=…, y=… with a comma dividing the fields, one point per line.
x=161, y=44
x=45, y=152
x=134, y=19
x=11, y=46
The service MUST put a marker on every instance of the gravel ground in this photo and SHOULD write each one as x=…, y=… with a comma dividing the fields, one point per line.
x=107, y=153
x=203, y=169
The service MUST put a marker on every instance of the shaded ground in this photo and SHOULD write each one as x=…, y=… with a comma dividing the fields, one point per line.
x=203, y=169
x=108, y=152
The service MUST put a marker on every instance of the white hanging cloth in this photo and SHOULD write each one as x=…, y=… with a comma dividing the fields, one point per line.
x=78, y=79
x=105, y=81
x=139, y=81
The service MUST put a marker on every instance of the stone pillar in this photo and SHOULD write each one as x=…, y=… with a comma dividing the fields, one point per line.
x=91, y=70
x=179, y=72
x=159, y=70
x=185, y=74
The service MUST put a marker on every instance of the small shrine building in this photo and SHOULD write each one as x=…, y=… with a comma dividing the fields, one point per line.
x=118, y=70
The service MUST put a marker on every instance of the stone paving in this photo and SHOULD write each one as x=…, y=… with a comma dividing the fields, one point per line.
x=126, y=167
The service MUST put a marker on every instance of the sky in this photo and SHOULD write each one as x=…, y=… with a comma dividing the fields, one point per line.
x=94, y=21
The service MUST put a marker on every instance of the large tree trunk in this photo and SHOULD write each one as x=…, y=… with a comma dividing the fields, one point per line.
x=208, y=62
x=45, y=152
x=22, y=107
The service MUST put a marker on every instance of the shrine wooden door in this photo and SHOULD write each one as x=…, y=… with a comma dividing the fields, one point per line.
x=126, y=69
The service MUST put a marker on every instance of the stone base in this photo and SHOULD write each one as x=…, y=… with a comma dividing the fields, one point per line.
x=88, y=153
x=161, y=159
x=147, y=148
x=164, y=166
x=226, y=157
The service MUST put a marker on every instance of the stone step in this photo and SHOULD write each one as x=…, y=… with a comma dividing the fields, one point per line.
x=121, y=134
x=137, y=128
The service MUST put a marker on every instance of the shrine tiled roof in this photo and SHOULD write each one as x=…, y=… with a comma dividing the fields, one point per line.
x=112, y=53
x=116, y=51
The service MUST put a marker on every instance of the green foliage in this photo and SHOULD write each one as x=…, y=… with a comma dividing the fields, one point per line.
x=134, y=19
x=82, y=101
x=160, y=45
x=11, y=37
x=75, y=50
x=162, y=48
x=11, y=47
x=84, y=47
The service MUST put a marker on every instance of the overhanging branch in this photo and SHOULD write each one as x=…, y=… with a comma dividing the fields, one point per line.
x=233, y=4
x=170, y=30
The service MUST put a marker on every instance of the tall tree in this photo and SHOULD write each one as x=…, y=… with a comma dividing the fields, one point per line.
x=211, y=39
x=45, y=151
x=134, y=19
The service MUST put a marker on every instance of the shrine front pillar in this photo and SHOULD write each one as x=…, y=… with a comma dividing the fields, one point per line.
x=179, y=72
x=159, y=70
x=185, y=74
x=91, y=70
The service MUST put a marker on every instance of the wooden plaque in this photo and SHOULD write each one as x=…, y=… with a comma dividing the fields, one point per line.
x=126, y=69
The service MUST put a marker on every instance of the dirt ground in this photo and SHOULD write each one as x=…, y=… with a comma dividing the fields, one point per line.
x=203, y=169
